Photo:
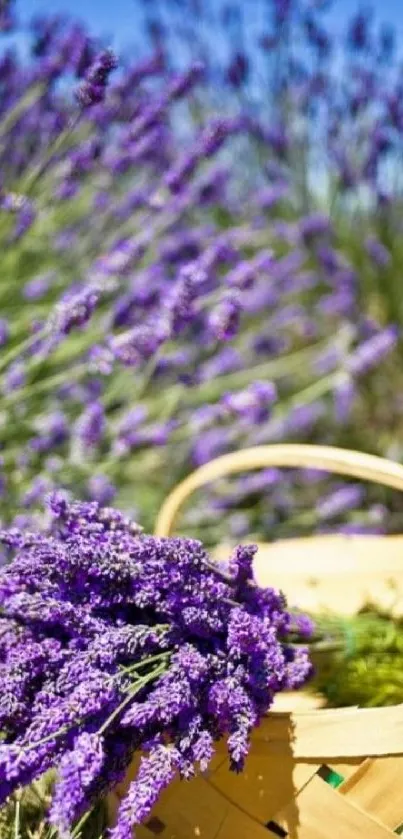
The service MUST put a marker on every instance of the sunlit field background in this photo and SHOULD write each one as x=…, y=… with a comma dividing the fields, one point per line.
x=208, y=259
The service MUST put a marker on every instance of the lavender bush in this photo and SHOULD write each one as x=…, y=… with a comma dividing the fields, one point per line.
x=329, y=96
x=158, y=311
x=111, y=642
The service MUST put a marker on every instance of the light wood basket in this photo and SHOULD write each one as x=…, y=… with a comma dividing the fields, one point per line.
x=311, y=774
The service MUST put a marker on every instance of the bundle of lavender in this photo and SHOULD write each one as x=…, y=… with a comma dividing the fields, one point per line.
x=112, y=641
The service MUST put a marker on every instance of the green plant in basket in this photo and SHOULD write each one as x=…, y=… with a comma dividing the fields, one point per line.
x=364, y=667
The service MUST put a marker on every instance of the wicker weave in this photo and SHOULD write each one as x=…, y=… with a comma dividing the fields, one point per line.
x=312, y=774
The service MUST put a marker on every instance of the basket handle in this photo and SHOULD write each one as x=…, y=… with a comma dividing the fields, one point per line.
x=340, y=461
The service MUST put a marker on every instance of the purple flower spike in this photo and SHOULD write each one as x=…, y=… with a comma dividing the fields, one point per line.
x=377, y=251
x=140, y=343
x=90, y=426
x=224, y=320
x=15, y=377
x=73, y=311
x=101, y=489
x=4, y=332
x=252, y=404
x=346, y=498
x=370, y=352
x=155, y=774
x=92, y=90
x=76, y=771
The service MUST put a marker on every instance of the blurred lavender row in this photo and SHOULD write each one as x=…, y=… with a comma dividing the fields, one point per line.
x=163, y=301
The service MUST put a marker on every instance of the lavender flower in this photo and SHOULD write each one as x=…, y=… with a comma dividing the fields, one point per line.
x=77, y=770
x=345, y=498
x=370, y=352
x=377, y=251
x=237, y=72
x=101, y=489
x=253, y=404
x=24, y=221
x=73, y=311
x=180, y=86
x=182, y=298
x=15, y=377
x=92, y=89
x=4, y=332
x=344, y=398
x=314, y=225
x=140, y=343
x=155, y=773
x=270, y=196
x=38, y=286
x=40, y=487
x=7, y=16
x=90, y=426
x=224, y=319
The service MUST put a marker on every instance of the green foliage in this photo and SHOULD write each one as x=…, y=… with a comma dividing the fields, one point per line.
x=24, y=816
x=367, y=668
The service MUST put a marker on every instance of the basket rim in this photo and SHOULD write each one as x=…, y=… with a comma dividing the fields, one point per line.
x=351, y=732
x=347, y=462
x=331, y=459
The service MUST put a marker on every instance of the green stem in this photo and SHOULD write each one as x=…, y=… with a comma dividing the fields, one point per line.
x=314, y=391
x=152, y=660
x=54, y=149
x=303, y=397
x=45, y=384
x=15, y=352
x=35, y=787
x=30, y=97
x=66, y=728
x=273, y=369
x=148, y=373
x=77, y=830
x=137, y=687
x=17, y=820
x=231, y=381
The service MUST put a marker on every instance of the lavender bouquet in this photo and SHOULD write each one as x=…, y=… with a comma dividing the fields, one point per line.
x=112, y=642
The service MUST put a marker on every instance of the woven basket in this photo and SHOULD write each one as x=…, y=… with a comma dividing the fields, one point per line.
x=311, y=774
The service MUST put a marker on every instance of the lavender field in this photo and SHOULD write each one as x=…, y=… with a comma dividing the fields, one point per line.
x=183, y=277
x=201, y=250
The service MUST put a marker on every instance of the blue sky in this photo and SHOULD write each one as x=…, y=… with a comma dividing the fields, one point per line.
x=117, y=19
